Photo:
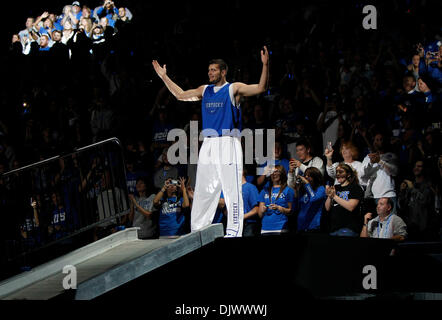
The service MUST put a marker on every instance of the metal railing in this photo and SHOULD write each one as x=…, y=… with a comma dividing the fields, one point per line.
x=69, y=200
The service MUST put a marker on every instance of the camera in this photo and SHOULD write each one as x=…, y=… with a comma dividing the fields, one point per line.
x=174, y=182
x=298, y=180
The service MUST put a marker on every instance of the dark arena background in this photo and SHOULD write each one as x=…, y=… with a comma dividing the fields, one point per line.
x=83, y=120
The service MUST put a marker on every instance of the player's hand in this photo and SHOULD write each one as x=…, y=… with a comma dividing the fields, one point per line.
x=161, y=71
x=265, y=56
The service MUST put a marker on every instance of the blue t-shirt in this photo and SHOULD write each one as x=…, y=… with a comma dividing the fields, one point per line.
x=219, y=113
x=250, y=198
x=171, y=217
x=309, y=205
x=274, y=220
x=219, y=216
x=59, y=220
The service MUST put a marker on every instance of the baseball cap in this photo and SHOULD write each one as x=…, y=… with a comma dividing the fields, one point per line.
x=76, y=3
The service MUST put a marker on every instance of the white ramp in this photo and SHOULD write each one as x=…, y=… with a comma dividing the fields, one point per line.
x=105, y=264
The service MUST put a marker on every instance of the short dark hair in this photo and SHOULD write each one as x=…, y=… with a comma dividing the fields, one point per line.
x=390, y=203
x=221, y=63
x=305, y=143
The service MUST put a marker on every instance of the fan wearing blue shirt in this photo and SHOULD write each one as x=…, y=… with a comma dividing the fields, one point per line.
x=172, y=219
x=275, y=203
x=310, y=197
x=250, y=196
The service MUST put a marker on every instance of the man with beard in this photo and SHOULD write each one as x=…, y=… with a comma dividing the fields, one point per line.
x=220, y=158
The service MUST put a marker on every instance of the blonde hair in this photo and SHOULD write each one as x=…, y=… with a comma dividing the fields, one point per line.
x=353, y=149
x=89, y=25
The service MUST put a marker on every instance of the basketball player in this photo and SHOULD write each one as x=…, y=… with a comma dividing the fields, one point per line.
x=220, y=156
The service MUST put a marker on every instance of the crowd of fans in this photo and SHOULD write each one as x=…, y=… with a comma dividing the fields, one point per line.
x=357, y=117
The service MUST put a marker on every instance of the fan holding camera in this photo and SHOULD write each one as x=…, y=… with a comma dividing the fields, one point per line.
x=171, y=200
x=309, y=200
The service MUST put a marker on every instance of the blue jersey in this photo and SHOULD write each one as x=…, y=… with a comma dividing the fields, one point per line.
x=219, y=113
x=274, y=220
x=310, y=205
x=250, y=198
x=171, y=217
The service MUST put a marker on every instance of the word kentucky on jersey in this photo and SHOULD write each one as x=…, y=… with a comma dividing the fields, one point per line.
x=212, y=106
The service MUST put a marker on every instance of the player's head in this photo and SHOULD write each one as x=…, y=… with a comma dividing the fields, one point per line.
x=217, y=70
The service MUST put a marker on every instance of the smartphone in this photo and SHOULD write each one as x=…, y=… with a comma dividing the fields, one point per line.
x=329, y=146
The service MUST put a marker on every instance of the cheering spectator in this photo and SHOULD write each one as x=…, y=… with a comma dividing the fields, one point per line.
x=268, y=168
x=250, y=197
x=109, y=11
x=59, y=51
x=306, y=160
x=166, y=172
x=416, y=201
x=76, y=12
x=414, y=68
x=275, y=203
x=329, y=120
x=386, y=225
x=68, y=31
x=343, y=203
x=171, y=204
x=142, y=211
x=309, y=200
x=349, y=153
x=378, y=171
x=27, y=34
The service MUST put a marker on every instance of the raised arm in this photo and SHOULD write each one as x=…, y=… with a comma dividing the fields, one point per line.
x=246, y=90
x=180, y=94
